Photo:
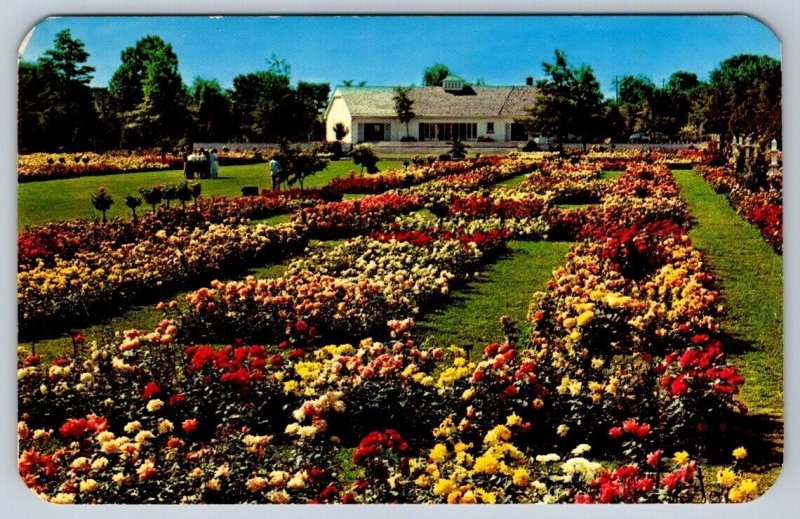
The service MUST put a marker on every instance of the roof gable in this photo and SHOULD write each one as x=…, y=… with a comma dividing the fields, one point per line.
x=472, y=101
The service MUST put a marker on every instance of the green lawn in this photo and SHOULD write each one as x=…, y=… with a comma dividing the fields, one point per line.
x=510, y=182
x=750, y=275
x=42, y=202
x=472, y=314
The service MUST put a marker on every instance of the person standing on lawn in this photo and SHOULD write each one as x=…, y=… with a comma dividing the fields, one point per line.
x=213, y=163
x=275, y=170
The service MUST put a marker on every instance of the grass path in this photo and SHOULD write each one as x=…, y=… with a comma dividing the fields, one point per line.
x=66, y=199
x=750, y=275
x=471, y=315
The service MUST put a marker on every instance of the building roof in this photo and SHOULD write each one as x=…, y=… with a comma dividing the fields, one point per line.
x=434, y=101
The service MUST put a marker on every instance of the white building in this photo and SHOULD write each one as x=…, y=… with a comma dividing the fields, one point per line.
x=453, y=110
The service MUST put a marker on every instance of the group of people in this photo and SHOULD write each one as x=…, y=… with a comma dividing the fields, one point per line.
x=202, y=163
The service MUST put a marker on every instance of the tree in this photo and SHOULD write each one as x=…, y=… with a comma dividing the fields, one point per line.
x=588, y=109
x=567, y=102
x=311, y=99
x=403, y=105
x=298, y=164
x=149, y=94
x=102, y=201
x=434, y=75
x=458, y=149
x=365, y=157
x=133, y=202
x=263, y=104
x=340, y=130
x=68, y=57
x=55, y=107
x=636, y=102
x=743, y=98
x=152, y=195
x=210, y=110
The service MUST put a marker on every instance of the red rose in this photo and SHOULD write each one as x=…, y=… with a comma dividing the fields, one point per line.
x=151, y=389
x=190, y=425
x=679, y=386
x=654, y=458
x=176, y=400
x=615, y=432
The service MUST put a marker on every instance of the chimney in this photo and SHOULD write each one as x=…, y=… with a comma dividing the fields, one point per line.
x=529, y=81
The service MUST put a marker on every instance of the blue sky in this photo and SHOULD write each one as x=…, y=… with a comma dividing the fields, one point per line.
x=396, y=50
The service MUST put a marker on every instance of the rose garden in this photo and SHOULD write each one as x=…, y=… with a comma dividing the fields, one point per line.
x=537, y=293
x=153, y=368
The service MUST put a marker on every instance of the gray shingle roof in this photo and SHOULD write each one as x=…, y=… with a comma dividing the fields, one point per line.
x=473, y=101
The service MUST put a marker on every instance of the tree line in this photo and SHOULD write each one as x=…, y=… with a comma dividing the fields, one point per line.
x=147, y=104
x=741, y=97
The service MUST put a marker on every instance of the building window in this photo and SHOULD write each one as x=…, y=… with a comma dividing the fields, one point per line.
x=374, y=132
x=447, y=131
x=489, y=127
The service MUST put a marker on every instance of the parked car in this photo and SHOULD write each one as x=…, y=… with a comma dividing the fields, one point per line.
x=639, y=137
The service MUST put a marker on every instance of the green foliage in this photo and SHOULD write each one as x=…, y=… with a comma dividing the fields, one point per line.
x=195, y=188
x=743, y=98
x=183, y=192
x=403, y=105
x=152, y=195
x=364, y=156
x=568, y=102
x=458, y=149
x=434, y=75
x=210, y=110
x=170, y=193
x=148, y=94
x=133, y=202
x=102, y=201
x=298, y=164
x=340, y=130
x=55, y=102
x=67, y=57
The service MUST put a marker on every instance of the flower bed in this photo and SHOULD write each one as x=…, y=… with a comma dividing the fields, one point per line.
x=49, y=166
x=762, y=208
x=352, y=290
x=625, y=362
x=113, y=277
x=350, y=217
x=65, y=239
x=394, y=179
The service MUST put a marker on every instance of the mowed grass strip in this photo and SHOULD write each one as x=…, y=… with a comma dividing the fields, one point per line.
x=750, y=276
x=472, y=314
x=67, y=199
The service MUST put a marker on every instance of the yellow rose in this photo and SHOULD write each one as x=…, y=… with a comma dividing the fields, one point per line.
x=521, y=477
x=439, y=453
x=681, y=457
x=444, y=487
x=740, y=453
x=585, y=318
x=87, y=486
x=726, y=478
x=749, y=487
x=513, y=419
